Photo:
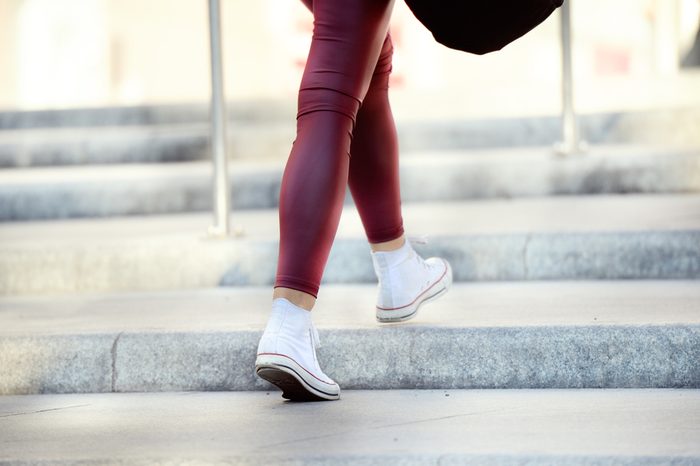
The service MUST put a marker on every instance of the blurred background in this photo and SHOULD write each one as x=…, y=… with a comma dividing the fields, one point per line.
x=110, y=224
x=109, y=63
x=110, y=53
x=105, y=130
x=121, y=56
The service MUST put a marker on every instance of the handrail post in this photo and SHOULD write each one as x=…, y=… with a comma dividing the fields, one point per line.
x=221, y=188
x=570, y=143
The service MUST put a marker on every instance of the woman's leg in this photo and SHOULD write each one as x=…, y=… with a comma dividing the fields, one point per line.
x=374, y=162
x=346, y=45
x=406, y=280
x=347, y=40
x=373, y=174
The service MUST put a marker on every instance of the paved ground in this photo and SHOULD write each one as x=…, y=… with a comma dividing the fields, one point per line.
x=364, y=427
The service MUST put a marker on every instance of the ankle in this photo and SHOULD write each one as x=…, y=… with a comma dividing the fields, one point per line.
x=296, y=297
x=384, y=260
x=388, y=246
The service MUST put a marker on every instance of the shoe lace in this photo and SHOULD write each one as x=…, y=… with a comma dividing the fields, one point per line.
x=315, y=343
x=315, y=339
x=419, y=239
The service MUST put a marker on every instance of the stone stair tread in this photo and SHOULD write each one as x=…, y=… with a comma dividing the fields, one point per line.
x=668, y=212
x=64, y=133
x=581, y=237
x=159, y=188
x=351, y=306
x=527, y=154
x=69, y=174
x=627, y=334
x=376, y=427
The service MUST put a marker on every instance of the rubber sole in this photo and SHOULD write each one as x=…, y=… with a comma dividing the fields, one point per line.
x=281, y=373
x=409, y=312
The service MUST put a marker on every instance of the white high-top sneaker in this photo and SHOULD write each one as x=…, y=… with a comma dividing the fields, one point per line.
x=407, y=281
x=287, y=355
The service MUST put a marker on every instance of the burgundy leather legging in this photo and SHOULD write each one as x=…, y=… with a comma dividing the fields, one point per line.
x=345, y=136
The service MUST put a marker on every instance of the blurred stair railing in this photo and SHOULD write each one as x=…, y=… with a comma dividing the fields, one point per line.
x=571, y=142
x=221, y=188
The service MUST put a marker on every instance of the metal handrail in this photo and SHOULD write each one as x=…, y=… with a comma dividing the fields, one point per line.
x=221, y=187
x=571, y=142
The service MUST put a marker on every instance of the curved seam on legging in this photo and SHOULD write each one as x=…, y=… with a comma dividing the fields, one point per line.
x=312, y=88
x=301, y=114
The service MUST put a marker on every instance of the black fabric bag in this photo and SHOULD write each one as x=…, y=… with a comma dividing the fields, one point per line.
x=481, y=26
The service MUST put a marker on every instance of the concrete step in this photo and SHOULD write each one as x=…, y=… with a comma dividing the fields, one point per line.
x=595, y=237
x=629, y=334
x=139, y=144
x=266, y=130
x=140, y=189
x=408, y=427
x=143, y=115
x=102, y=145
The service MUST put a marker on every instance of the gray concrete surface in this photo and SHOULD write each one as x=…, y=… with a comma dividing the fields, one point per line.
x=593, y=237
x=266, y=130
x=490, y=335
x=142, y=115
x=126, y=144
x=434, y=427
x=138, y=144
x=138, y=189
